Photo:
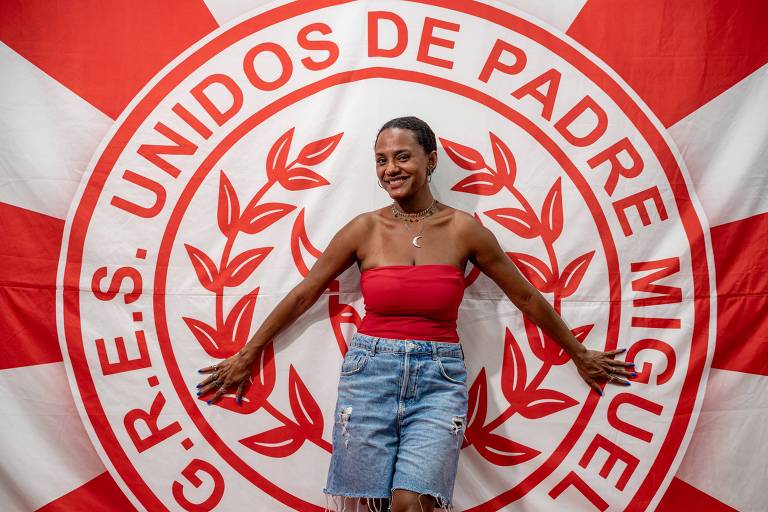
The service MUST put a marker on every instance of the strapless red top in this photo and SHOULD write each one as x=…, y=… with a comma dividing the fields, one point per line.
x=412, y=301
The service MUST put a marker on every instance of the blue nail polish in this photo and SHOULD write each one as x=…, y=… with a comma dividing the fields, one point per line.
x=627, y=383
x=199, y=393
x=631, y=364
x=634, y=374
x=209, y=401
x=600, y=392
x=239, y=401
x=622, y=351
x=199, y=371
x=199, y=386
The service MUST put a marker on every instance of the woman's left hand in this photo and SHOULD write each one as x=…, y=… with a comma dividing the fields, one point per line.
x=595, y=366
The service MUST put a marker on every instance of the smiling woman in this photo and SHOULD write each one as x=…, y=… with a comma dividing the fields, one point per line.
x=412, y=283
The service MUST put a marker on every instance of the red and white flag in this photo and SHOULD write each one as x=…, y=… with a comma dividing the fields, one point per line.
x=170, y=170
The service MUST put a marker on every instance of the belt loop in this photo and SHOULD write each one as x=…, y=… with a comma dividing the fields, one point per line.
x=434, y=350
x=373, y=346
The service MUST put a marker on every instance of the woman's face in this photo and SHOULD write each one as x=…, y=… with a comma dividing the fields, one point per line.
x=401, y=162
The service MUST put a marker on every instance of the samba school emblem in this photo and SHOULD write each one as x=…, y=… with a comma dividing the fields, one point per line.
x=226, y=177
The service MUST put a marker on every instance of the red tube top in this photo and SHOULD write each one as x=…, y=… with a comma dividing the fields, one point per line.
x=412, y=301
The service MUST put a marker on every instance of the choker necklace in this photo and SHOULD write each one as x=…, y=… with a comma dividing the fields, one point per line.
x=414, y=217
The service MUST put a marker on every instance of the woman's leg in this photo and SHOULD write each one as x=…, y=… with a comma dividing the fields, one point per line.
x=404, y=500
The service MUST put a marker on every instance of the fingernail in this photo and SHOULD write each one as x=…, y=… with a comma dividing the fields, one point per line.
x=199, y=371
x=623, y=350
x=633, y=374
x=199, y=386
x=627, y=383
x=631, y=364
x=199, y=393
x=239, y=401
x=209, y=401
x=600, y=392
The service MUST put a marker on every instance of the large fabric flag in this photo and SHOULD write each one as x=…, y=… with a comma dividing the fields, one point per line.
x=170, y=170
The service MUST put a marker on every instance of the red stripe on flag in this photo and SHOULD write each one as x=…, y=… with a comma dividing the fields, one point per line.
x=682, y=496
x=29, y=253
x=741, y=267
x=103, y=51
x=98, y=495
x=676, y=54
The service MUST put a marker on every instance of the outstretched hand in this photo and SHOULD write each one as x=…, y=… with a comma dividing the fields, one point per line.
x=595, y=366
x=233, y=372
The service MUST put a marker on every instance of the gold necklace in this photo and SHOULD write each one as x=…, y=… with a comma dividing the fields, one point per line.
x=415, y=217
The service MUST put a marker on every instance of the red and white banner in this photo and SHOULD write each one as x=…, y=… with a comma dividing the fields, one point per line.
x=170, y=170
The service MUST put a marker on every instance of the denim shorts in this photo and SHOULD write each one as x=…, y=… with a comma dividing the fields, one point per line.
x=399, y=420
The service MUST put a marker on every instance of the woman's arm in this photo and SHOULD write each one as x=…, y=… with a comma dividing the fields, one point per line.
x=337, y=257
x=486, y=254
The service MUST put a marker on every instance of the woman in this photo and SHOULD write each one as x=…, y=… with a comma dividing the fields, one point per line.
x=399, y=423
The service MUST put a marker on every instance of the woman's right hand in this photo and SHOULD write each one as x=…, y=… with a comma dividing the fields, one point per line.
x=233, y=372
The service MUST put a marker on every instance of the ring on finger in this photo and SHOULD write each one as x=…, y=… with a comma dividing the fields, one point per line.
x=223, y=388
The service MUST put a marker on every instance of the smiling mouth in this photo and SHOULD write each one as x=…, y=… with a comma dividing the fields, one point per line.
x=397, y=180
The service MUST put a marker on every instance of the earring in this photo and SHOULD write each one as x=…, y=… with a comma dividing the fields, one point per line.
x=379, y=183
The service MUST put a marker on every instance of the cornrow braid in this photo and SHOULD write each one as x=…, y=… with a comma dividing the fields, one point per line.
x=424, y=134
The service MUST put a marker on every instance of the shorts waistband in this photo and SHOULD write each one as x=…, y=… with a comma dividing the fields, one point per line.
x=436, y=348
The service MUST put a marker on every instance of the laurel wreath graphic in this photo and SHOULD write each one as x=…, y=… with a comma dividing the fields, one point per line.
x=525, y=397
x=232, y=329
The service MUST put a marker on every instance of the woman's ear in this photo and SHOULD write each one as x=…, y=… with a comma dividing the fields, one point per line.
x=432, y=160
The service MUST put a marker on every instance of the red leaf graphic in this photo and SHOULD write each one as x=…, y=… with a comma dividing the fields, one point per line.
x=265, y=377
x=480, y=183
x=552, y=211
x=229, y=207
x=502, y=451
x=277, y=157
x=278, y=442
x=339, y=314
x=478, y=403
x=208, y=338
x=544, y=347
x=239, y=319
x=303, y=405
x=317, y=151
x=573, y=273
x=520, y=222
x=205, y=268
x=535, y=270
x=261, y=216
x=243, y=266
x=514, y=376
x=299, y=241
x=504, y=160
x=463, y=156
x=582, y=332
x=543, y=402
x=301, y=178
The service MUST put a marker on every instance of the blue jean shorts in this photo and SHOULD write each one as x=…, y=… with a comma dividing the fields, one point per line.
x=399, y=420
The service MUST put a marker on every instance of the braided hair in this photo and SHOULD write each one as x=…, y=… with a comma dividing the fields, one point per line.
x=424, y=134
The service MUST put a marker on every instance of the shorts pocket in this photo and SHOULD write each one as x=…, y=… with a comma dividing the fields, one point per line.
x=354, y=361
x=453, y=369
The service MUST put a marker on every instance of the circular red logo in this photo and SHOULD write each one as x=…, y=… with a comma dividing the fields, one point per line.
x=219, y=186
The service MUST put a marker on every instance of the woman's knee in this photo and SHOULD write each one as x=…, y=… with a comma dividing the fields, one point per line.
x=404, y=500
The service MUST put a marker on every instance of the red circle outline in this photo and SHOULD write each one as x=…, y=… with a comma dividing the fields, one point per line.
x=166, y=247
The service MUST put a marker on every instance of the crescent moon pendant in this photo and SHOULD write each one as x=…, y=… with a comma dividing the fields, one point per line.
x=415, y=240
